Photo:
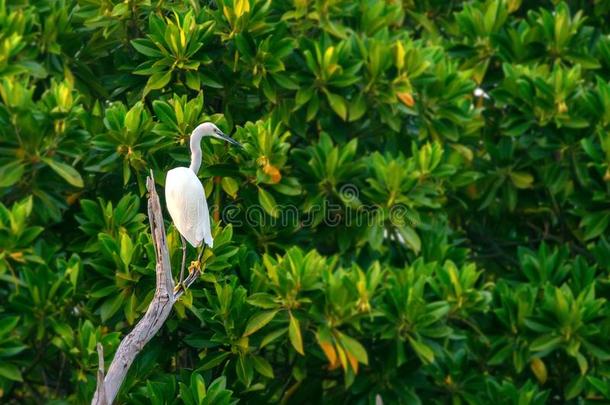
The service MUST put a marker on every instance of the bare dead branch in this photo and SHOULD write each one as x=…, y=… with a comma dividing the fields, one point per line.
x=156, y=314
x=100, y=374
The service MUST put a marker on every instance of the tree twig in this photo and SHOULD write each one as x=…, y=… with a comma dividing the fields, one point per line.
x=100, y=374
x=156, y=314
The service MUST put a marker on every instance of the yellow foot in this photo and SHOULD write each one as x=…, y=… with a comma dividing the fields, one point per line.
x=178, y=287
x=194, y=265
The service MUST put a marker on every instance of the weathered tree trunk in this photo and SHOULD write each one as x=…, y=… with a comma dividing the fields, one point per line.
x=156, y=314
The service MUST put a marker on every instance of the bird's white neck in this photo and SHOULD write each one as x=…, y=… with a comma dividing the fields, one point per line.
x=196, y=150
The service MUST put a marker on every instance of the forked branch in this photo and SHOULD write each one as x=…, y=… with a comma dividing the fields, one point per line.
x=156, y=314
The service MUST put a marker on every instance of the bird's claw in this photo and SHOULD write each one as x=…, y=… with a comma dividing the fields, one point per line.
x=194, y=271
x=195, y=265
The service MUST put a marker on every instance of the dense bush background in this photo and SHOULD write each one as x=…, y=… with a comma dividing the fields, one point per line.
x=476, y=135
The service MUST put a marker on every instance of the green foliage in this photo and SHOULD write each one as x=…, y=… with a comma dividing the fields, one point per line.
x=420, y=212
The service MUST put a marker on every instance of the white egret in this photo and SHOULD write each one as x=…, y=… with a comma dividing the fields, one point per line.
x=185, y=197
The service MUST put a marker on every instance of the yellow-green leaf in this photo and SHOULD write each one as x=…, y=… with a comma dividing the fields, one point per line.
x=10, y=371
x=258, y=321
x=355, y=348
x=522, y=179
x=422, y=350
x=338, y=104
x=157, y=81
x=539, y=369
x=268, y=202
x=11, y=173
x=68, y=173
x=230, y=186
x=294, y=332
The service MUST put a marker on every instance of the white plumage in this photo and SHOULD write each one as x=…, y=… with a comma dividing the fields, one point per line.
x=185, y=198
x=186, y=203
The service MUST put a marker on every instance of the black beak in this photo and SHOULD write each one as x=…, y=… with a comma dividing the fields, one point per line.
x=227, y=138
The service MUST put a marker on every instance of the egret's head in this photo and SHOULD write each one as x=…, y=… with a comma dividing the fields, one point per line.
x=210, y=129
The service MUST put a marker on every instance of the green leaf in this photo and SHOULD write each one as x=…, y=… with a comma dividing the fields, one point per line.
x=111, y=306
x=126, y=248
x=210, y=81
x=574, y=387
x=129, y=309
x=262, y=366
x=357, y=107
x=212, y=360
x=583, y=364
x=285, y=81
x=338, y=104
x=600, y=385
x=546, y=343
x=241, y=42
x=258, y=321
x=522, y=179
x=303, y=95
x=185, y=394
x=539, y=369
x=157, y=81
x=68, y=173
x=7, y=325
x=375, y=236
x=31, y=233
x=269, y=91
x=262, y=300
x=145, y=47
x=410, y=237
x=272, y=336
x=35, y=69
x=355, y=348
x=268, y=202
x=422, y=350
x=198, y=386
x=244, y=369
x=294, y=333
x=10, y=371
x=288, y=186
x=193, y=80
x=103, y=292
x=230, y=186
x=165, y=113
x=11, y=351
x=596, y=351
x=11, y=173
x=595, y=224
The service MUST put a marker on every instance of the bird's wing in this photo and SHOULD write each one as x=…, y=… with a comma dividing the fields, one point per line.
x=204, y=230
x=187, y=206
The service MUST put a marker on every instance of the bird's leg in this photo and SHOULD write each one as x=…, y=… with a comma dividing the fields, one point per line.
x=201, y=254
x=194, y=272
x=194, y=269
x=181, y=279
x=196, y=264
